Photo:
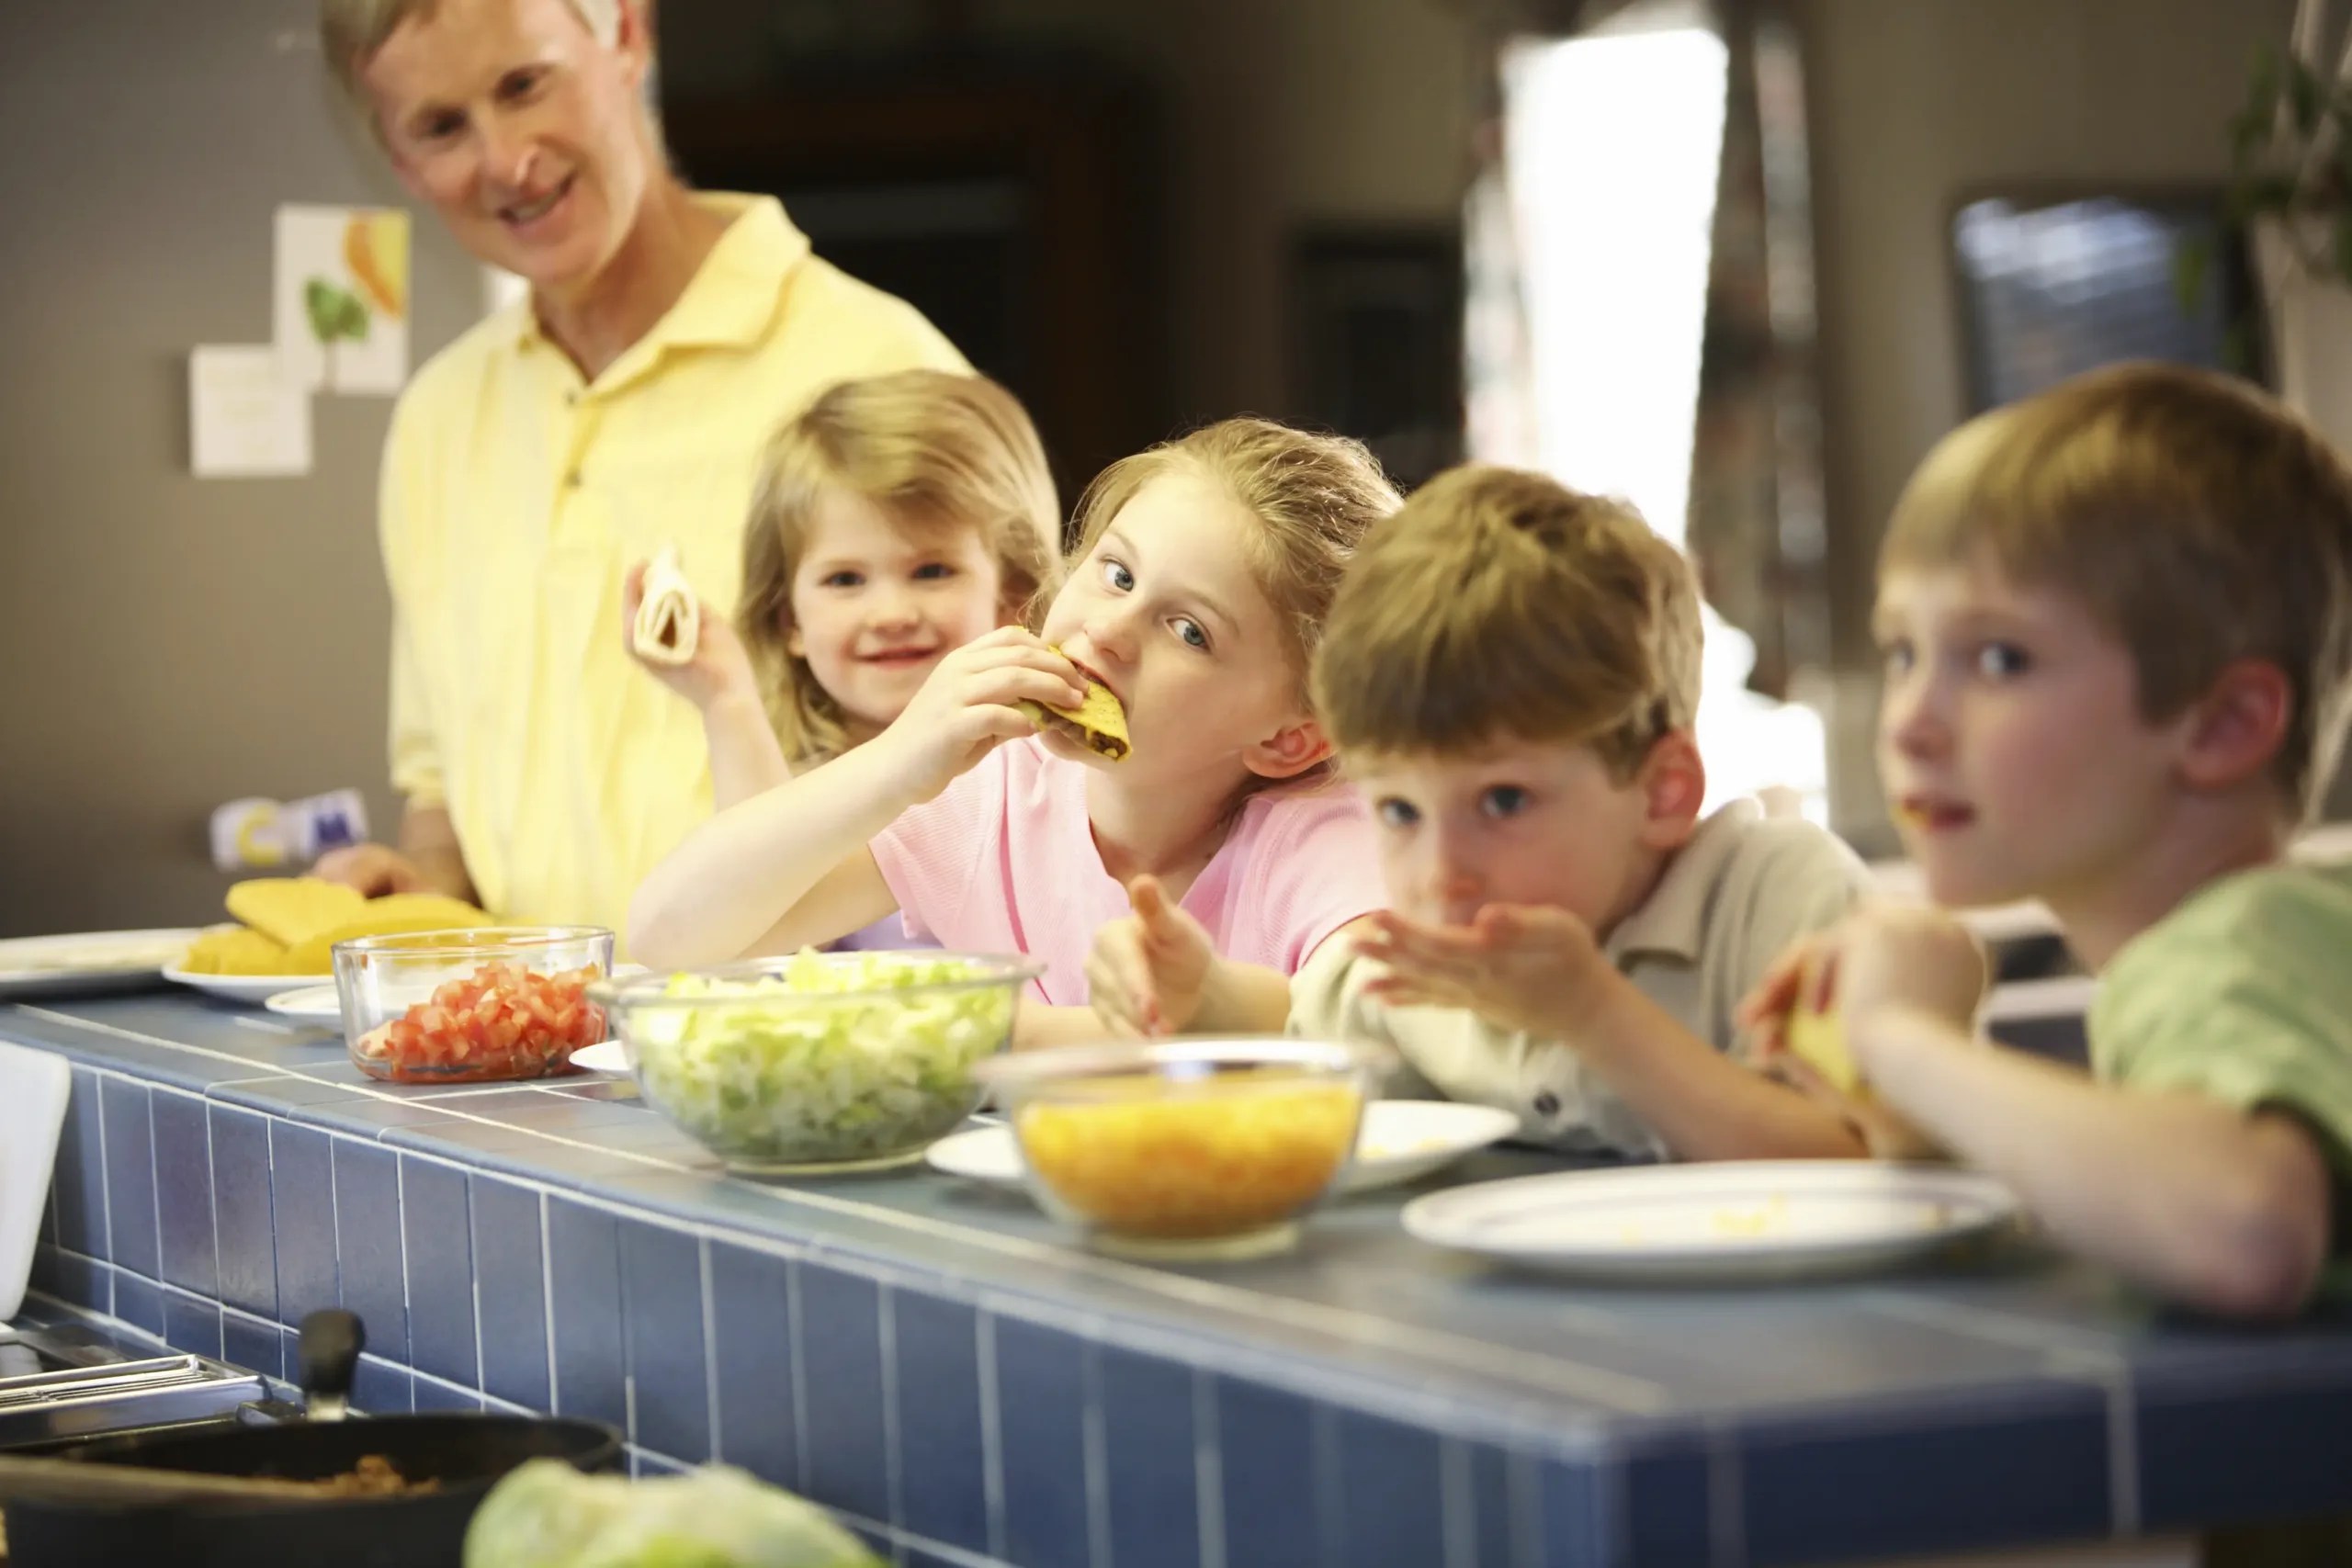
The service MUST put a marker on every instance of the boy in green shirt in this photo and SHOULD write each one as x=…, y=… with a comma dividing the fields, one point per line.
x=2117, y=626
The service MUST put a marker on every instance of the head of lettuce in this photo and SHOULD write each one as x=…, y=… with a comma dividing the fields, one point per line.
x=547, y=1514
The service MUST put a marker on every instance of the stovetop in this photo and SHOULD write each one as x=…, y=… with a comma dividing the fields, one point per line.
x=62, y=1379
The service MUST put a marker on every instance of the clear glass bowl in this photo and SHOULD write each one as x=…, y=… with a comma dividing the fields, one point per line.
x=1186, y=1148
x=822, y=1063
x=471, y=1005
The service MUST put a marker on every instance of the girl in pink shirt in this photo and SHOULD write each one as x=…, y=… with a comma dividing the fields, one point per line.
x=1195, y=594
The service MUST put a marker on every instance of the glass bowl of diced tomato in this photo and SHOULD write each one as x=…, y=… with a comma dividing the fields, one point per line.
x=471, y=1005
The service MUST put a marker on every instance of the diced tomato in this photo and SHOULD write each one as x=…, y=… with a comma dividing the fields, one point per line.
x=500, y=1021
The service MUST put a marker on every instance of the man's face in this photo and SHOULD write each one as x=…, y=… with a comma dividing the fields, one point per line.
x=522, y=129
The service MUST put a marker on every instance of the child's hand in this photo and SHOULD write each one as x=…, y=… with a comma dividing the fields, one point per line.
x=964, y=709
x=1886, y=955
x=720, y=669
x=1148, y=970
x=1521, y=968
x=1883, y=1130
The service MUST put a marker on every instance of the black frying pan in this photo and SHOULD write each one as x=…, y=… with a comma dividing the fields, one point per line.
x=465, y=1454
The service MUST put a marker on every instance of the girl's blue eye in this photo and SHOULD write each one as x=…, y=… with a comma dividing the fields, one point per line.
x=1396, y=812
x=1503, y=800
x=1999, y=661
x=1119, y=578
x=933, y=571
x=1191, y=634
x=1896, y=657
x=842, y=580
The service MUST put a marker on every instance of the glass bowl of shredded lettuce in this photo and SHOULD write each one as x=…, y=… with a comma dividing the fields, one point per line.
x=822, y=1062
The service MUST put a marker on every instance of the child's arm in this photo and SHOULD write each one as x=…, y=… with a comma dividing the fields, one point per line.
x=769, y=874
x=2210, y=1206
x=717, y=679
x=1540, y=971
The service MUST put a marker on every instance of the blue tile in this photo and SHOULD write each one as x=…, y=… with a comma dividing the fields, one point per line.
x=840, y=1364
x=302, y=1186
x=241, y=1203
x=942, y=1461
x=184, y=1191
x=130, y=1176
x=250, y=1342
x=653, y=1466
x=191, y=1324
x=1575, y=1517
x=381, y=1388
x=1490, y=1506
x=81, y=1179
x=1041, y=1411
x=42, y=1276
x=1392, y=1503
x=584, y=1273
x=138, y=1302
x=81, y=1281
x=1149, y=1468
x=432, y=1395
x=1266, y=1449
x=368, y=1244
x=1667, y=1514
x=1968, y=1473
x=437, y=1231
x=662, y=1280
x=513, y=1291
x=2244, y=1446
x=750, y=1314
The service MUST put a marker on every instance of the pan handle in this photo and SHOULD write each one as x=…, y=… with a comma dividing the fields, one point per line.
x=329, y=1350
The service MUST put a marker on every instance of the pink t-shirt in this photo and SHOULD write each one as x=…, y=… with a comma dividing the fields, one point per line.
x=1005, y=860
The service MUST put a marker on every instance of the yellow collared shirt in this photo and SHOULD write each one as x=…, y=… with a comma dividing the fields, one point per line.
x=514, y=497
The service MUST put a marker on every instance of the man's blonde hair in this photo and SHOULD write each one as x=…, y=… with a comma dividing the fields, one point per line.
x=1498, y=603
x=351, y=31
x=1313, y=496
x=2198, y=520
x=932, y=450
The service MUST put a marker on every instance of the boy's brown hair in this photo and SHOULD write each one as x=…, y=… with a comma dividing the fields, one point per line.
x=2199, y=521
x=1502, y=603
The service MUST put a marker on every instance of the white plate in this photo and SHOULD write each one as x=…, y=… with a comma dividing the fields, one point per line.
x=242, y=987
x=316, y=1003
x=1400, y=1139
x=1718, y=1221
x=89, y=962
x=605, y=1057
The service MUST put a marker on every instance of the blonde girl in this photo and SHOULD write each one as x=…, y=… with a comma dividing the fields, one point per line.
x=895, y=519
x=1196, y=594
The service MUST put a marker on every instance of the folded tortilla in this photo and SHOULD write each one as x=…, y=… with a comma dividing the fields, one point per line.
x=1099, y=722
x=669, y=619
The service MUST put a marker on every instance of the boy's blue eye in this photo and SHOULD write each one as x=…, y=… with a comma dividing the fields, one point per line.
x=1896, y=657
x=1395, y=813
x=1191, y=634
x=2001, y=660
x=1118, y=577
x=1503, y=800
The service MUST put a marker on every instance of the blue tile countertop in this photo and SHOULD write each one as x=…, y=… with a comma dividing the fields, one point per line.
x=938, y=1365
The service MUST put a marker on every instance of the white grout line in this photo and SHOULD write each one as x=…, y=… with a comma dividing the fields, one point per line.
x=1592, y=1384
x=1726, y=1498
x=1457, y=1503
x=992, y=1428
x=155, y=1182
x=473, y=1280
x=400, y=1226
x=801, y=1435
x=1094, y=1446
x=106, y=1179
x=547, y=1300
x=1208, y=1472
x=1329, y=1500
x=886, y=1317
x=709, y=1345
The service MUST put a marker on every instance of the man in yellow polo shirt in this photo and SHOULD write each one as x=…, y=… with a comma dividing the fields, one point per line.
x=621, y=407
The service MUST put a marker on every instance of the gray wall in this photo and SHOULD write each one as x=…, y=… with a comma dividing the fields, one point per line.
x=169, y=644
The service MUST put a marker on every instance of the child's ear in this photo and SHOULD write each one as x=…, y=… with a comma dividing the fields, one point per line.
x=1289, y=751
x=795, y=643
x=2233, y=733
x=1673, y=782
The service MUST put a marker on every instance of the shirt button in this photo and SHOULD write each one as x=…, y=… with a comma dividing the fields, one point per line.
x=1547, y=1105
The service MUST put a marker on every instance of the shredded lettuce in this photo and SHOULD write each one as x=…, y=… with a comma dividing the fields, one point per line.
x=838, y=1058
x=547, y=1514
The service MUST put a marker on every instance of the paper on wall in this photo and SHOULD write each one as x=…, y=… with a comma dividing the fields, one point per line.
x=340, y=297
x=245, y=418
